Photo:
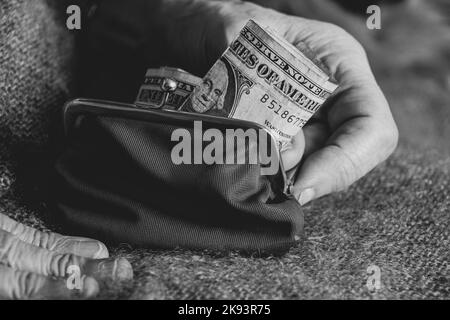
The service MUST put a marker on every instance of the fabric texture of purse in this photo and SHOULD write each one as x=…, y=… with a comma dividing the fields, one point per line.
x=116, y=181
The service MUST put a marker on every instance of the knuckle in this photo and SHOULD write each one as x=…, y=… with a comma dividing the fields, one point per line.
x=8, y=246
x=348, y=40
x=37, y=237
x=59, y=263
x=353, y=52
x=389, y=138
x=348, y=172
x=26, y=285
x=338, y=31
x=41, y=239
x=395, y=135
x=342, y=34
x=358, y=47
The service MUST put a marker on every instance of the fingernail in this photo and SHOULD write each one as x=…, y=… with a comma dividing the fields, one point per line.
x=115, y=269
x=124, y=270
x=306, y=196
x=90, y=288
x=93, y=249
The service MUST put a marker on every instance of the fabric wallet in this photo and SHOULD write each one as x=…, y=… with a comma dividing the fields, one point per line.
x=116, y=181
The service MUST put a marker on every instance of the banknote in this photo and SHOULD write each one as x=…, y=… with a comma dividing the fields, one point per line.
x=166, y=88
x=263, y=78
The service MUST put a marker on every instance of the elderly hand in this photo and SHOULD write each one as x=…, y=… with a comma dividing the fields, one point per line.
x=355, y=130
x=36, y=265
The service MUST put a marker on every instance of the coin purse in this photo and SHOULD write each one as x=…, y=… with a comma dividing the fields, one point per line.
x=115, y=180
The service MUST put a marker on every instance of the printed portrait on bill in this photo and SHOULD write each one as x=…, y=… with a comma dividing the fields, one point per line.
x=215, y=93
x=211, y=92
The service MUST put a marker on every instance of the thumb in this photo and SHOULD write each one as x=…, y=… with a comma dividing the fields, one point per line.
x=323, y=172
x=293, y=153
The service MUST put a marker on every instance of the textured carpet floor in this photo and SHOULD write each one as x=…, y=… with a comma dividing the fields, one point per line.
x=397, y=217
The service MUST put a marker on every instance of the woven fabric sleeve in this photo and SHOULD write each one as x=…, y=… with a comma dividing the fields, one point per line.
x=36, y=52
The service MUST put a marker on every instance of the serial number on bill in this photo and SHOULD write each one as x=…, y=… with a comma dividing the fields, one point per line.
x=225, y=309
x=281, y=112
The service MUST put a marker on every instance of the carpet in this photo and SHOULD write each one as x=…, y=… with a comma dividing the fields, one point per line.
x=397, y=218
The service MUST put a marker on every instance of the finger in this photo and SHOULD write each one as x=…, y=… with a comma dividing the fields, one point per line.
x=53, y=241
x=363, y=130
x=293, y=153
x=15, y=284
x=312, y=137
x=24, y=256
x=316, y=135
x=356, y=147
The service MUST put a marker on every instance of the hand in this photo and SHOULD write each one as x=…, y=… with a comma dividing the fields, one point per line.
x=33, y=264
x=355, y=130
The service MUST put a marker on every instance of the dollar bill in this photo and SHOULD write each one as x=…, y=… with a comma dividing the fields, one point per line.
x=166, y=88
x=263, y=78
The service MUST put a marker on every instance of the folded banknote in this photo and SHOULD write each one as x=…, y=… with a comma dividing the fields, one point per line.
x=166, y=88
x=263, y=78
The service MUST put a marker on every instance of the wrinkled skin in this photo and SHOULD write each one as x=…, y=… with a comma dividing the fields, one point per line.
x=352, y=134
x=35, y=265
x=354, y=131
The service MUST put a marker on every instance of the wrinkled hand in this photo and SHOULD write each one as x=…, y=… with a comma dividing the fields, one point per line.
x=354, y=132
x=35, y=265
